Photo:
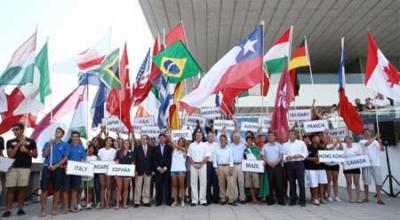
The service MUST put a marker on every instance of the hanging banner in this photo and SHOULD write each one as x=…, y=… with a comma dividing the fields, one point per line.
x=192, y=121
x=151, y=131
x=101, y=166
x=356, y=162
x=315, y=126
x=220, y=124
x=331, y=156
x=249, y=126
x=210, y=112
x=79, y=168
x=253, y=166
x=176, y=134
x=299, y=115
x=126, y=170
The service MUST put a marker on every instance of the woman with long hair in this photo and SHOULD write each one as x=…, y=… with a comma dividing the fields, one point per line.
x=106, y=154
x=353, y=175
x=332, y=170
x=178, y=171
x=124, y=156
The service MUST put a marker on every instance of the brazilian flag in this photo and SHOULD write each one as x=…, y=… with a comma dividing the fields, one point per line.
x=109, y=70
x=177, y=63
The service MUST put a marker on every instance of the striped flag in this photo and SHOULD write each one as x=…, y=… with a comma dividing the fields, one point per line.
x=300, y=58
x=275, y=59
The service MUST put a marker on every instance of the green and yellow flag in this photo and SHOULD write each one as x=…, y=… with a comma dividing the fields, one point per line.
x=109, y=70
x=177, y=63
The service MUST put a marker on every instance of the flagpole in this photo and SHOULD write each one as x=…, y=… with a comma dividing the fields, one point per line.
x=193, y=81
x=376, y=115
x=51, y=102
x=309, y=66
x=287, y=69
x=262, y=72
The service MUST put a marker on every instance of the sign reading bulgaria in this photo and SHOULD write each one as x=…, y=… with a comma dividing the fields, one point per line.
x=327, y=156
x=315, y=126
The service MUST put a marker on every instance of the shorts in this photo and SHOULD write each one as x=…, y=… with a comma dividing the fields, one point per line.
x=178, y=173
x=316, y=177
x=72, y=182
x=18, y=177
x=87, y=184
x=372, y=172
x=251, y=180
x=56, y=177
x=332, y=168
x=352, y=171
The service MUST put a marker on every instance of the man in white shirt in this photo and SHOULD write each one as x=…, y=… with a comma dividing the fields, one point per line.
x=294, y=153
x=238, y=148
x=212, y=179
x=381, y=102
x=198, y=156
x=223, y=164
x=372, y=146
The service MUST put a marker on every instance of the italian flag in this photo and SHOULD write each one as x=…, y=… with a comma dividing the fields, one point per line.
x=381, y=76
x=276, y=58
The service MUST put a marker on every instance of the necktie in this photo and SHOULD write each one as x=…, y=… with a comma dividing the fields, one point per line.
x=145, y=150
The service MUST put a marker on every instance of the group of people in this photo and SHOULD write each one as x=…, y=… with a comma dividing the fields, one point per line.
x=207, y=170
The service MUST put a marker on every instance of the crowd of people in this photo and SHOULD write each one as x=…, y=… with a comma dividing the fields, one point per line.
x=175, y=173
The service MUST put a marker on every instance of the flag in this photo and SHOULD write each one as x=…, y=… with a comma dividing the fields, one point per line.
x=21, y=66
x=108, y=70
x=174, y=120
x=261, y=90
x=97, y=108
x=177, y=63
x=284, y=95
x=42, y=64
x=240, y=69
x=300, y=58
x=177, y=33
x=165, y=97
x=346, y=109
x=3, y=100
x=150, y=106
x=381, y=76
x=275, y=59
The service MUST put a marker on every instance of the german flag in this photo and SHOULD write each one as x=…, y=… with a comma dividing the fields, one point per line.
x=300, y=59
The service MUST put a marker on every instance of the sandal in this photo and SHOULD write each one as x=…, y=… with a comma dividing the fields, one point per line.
x=365, y=200
x=380, y=202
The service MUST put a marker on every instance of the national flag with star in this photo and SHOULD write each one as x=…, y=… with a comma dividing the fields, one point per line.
x=240, y=69
x=380, y=75
x=275, y=60
x=109, y=70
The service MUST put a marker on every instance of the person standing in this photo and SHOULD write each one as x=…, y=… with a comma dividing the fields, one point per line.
x=178, y=171
x=294, y=153
x=162, y=164
x=22, y=150
x=212, y=179
x=272, y=154
x=332, y=170
x=372, y=146
x=198, y=155
x=252, y=183
x=238, y=148
x=107, y=153
x=352, y=175
x=55, y=156
x=124, y=156
x=1, y=155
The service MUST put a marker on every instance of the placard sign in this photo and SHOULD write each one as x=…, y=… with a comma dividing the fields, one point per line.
x=5, y=163
x=328, y=156
x=101, y=166
x=253, y=166
x=265, y=121
x=339, y=132
x=114, y=124
x=176, y=134
x=151, y=131
x=300, y=115
x=127, y=170
x=315, y=126
x=79, y=168
x=356, y=162
x=192, y=120
x=228, y=124
x=210, y=112
x=144, y=121
x=249, y=126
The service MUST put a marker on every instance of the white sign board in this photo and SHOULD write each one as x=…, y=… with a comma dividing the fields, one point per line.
x=192, y=120
x=265, y=121
x=5, y=163
x=211, y=112
x=101, y=166
x=356, y=162
x=127, y=170
x=328, y=156
x=151, y=131
x=249, y=126
x=339, y=132
x=114, y=124
x=300, y=115
x=220, y=124
x=315, y=126
x=176, y=134
x=144, y=121
x=253, y=166
x=79, y=168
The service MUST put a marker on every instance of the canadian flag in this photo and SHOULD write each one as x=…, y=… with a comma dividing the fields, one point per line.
x=380, y=75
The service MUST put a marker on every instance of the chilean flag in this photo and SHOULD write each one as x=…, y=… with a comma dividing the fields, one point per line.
x=239, y=70
x=381, y=76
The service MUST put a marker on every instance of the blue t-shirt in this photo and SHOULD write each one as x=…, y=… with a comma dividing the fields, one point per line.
x=60, y=150
x=76, y=152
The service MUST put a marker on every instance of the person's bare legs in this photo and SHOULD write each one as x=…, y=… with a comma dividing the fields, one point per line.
x=21, y=197
x=66, y=202
x=335, y=176
x=348, y=186
x=175, y=188
x=125, y=190
x=43, y=203
x=108, y=191
x=118, y=181
x=74, y=200
x=329, y=177
x=379, y=194
x=356, y=180
x=181, y=180
x=321, y=192
x=102, y=179
x=366, y=192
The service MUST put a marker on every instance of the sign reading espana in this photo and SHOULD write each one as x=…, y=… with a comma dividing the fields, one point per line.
x=151, y=131
x=127, y=170
x=79, y=168
x=210, y=112
x=356, y=162
x=192, y=120
x=327, y=156
x=315, y=126
x=114, y=124
x=300, y=115
x=253, y=166
x=265, y=121
x=249, y=126
x=143, y=121
x=220, y=124
x=101, y=166
x=184, y=133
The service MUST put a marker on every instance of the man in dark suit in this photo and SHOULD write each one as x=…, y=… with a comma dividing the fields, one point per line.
x=162, y=166
x=144, y=157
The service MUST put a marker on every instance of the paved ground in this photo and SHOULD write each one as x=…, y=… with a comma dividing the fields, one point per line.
x=335, y=210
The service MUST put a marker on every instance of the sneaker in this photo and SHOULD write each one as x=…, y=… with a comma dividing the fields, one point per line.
x=21, y=212
x=315, y=202
x=173, y=204
x=79, y=207
x=330, y=199
x=337, y=199
x=89, y=206
x=98, y=205
x=6, y=214
x=182, y=204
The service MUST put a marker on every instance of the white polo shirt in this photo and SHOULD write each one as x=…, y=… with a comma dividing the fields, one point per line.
x=198, y=151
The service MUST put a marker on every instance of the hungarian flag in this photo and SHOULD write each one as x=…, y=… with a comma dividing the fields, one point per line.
x=284, y=96
x=108, y=70
x=177, y=33
x=300, y=58
x=21, y=66
x=275, y=60
x=381, y=76
x=346, y=109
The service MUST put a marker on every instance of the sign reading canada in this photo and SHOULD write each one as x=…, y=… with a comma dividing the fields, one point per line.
x=76, y=168
x=300, y=115
x=356, y=162
x=327, y=156
x=315, y=126
x=253, y=166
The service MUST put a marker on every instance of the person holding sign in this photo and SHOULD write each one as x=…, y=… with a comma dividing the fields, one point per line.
x=353, y=175
x=22, y=149
x=107, y=153
x=252, y=152
x=178, y=171
x=76, y=152
x=238, y=148
x=124, y=156
x=294, y=153
x=162, y=163
x=223, y=164
x=55, y=156
x=372, y=146
x=332, y=169
x=88, y=182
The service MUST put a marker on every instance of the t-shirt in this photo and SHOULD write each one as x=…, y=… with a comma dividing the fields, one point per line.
x=311, y=165
x=125, y=159
x=272, y=152
x=58, y=152
x=76, y=152
x=373, y=150
x=382, y=103
x=178, y=162
x=22, y=160
x=198, y=151
x=107, y=154
x=91, y=158
x=352, y=151
x=252, y=153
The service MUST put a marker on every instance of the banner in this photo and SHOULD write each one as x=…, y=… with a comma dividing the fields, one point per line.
x=253, y=166
x=300, y=115
x=115, y=125
x=210, y=112
x=192, y=121
x=79, y=168
x=315, y=126
x=127, y=170
x=151, y=131
x=331, y=156
x=101, y=166
x=5, y=164
x=249, y=126
x=144, y=121
x=220, y=124
x=176, y=134
x=265, y=121
x=339, y=132
x=356, y=162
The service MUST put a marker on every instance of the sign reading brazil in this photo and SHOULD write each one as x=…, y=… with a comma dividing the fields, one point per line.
x=315, y=126
x=253, y=166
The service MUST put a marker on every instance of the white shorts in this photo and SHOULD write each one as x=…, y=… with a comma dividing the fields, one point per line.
x=372, y=173
x=316, y=177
